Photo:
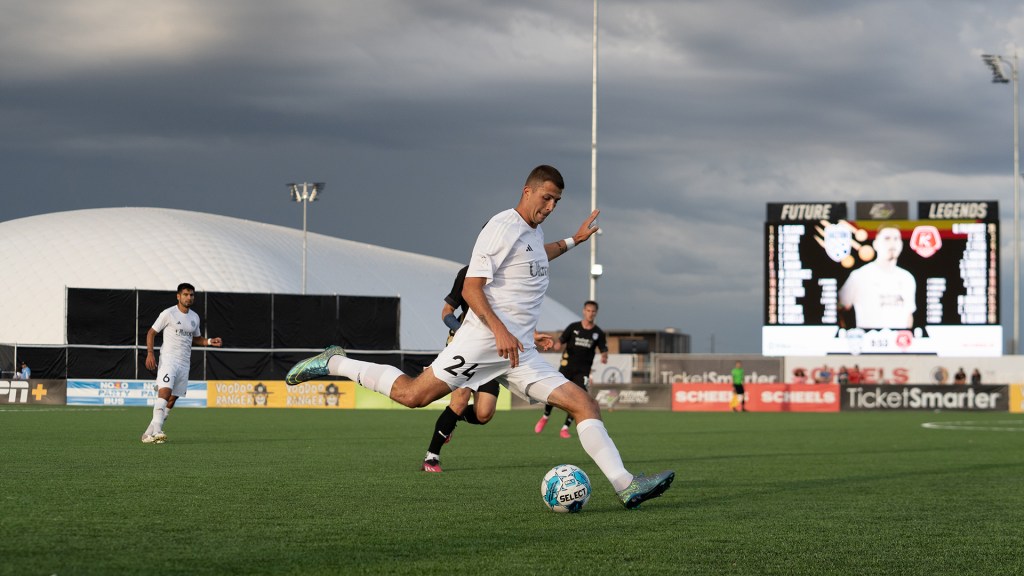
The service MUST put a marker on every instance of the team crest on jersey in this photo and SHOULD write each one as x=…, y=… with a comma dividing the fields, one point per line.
x=838, y=241
x=594, y=335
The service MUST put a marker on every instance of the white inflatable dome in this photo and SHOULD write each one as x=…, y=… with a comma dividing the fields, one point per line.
x=156, y=249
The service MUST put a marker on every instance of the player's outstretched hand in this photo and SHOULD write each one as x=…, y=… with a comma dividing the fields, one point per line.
x=587, y=229
x=544, y=342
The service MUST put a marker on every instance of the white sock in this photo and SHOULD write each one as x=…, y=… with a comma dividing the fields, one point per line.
x=599, y=446
x=159, y=414
x=377, y=377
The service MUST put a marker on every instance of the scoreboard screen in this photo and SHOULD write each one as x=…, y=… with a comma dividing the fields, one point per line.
x=840, y=286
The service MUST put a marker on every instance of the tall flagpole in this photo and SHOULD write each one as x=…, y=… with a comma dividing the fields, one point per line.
x=595, y=270
x=995, y=62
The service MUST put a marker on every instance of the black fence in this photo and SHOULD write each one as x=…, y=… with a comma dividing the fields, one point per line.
x=264, y=334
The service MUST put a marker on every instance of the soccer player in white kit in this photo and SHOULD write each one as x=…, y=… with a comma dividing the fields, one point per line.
x=504, y=287
x=882, y=294
x=180, y=327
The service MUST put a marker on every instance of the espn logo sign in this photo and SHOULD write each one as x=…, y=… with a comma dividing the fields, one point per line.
x=15, y=391
x=40, y=391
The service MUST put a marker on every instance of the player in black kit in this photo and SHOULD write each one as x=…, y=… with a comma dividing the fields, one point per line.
x=580, y=341
x=459, y=408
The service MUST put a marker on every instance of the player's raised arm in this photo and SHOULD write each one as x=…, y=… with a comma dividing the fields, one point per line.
x=507, y=344
x=587, y=229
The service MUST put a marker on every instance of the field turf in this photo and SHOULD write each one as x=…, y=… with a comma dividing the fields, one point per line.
x=238, y=491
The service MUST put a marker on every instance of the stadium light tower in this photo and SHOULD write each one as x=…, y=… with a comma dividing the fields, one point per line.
x=305, y=193
x=997, y=63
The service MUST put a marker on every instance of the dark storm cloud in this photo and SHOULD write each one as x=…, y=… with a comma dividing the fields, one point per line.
x=424, y=118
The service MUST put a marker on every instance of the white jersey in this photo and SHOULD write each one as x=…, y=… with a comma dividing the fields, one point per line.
x=511, y=256
x=178, y=330
x=880, y=298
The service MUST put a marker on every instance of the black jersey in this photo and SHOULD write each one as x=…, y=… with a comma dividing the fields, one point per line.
x=580, y=345
x=455, y=300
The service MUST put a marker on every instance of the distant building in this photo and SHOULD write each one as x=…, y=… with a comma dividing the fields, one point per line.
x=640, y=343
x=666, y=341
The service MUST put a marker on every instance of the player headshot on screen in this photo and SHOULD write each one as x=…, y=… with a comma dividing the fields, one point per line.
x=882, y=294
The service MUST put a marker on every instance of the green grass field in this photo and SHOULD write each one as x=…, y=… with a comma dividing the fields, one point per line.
x=240, y=491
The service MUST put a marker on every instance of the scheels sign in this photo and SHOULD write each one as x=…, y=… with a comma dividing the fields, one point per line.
x=759, y=397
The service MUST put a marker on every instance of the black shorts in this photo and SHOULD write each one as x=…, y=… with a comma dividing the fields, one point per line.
x=738, y=388
x=577, y=378
x=491, y=388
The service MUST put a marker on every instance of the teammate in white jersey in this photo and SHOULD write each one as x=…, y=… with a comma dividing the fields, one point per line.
x=882, y=294
x=504, y=287
x=180, y=328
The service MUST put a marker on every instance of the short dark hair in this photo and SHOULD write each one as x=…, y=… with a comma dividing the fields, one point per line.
x=545, y=173
x=185, y=286
x=589, y=302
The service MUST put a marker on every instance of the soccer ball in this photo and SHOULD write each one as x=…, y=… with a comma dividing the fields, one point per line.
x=565, y=488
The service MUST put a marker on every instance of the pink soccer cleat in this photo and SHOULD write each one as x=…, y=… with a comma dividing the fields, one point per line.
x=540, y=424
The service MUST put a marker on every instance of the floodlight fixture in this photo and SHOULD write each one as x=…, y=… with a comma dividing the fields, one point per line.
x=304, y=193
x=995, y=62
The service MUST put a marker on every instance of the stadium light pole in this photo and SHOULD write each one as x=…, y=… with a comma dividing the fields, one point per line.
x=305, y=193
x=595, y=268
x=996, y=62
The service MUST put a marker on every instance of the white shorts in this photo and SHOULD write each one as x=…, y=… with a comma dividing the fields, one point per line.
x=470, y=364
x=174, y=377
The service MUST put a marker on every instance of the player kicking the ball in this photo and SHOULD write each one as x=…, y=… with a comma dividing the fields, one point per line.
x=505, y=285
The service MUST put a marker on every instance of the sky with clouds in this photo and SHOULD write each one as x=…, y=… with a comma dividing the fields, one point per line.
x=425, y=116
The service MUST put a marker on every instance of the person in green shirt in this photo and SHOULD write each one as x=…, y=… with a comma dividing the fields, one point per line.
x=739, y=398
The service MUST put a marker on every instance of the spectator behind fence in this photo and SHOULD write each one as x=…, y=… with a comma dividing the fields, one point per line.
x=823, y=375
x=960, y=377
x=25, y=372
x=799, y=376
x=854, y=376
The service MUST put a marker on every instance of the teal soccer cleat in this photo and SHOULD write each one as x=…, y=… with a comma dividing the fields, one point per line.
x=313, y=367
x=643, y=488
